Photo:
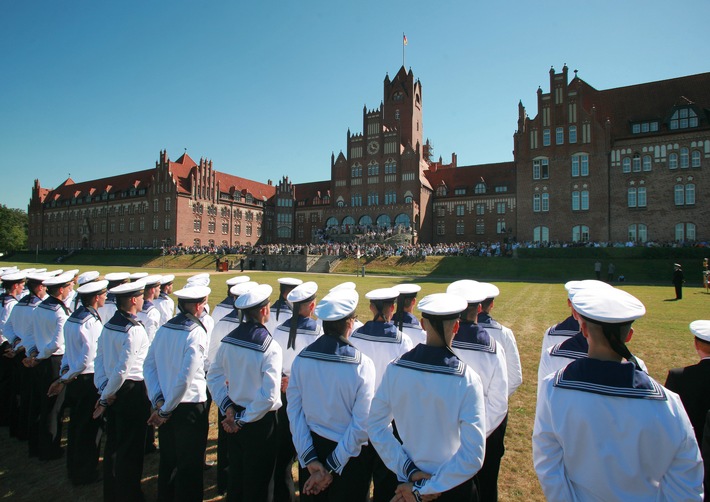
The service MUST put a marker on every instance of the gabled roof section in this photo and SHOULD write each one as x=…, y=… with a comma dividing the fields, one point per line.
x=113, y=184
x=306, y=192
x=260, y=191
x=648, y=101
x=498, y=174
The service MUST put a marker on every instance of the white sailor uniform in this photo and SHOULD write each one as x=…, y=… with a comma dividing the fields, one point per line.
x=246, y=374
x=118, y=371
x=307, y=332
x=48, y=329
x=222, y=328
x=559, y=332
x=607, y=431
x=149, y=316
x=81, y=334
x=280, y=313
x=72, y=301
x=506, y=338
x=175, y=378
x=7, y=402
x=109, y=309
x=430, y=389
x=332, y=371
x=166, y=307
x=410, y=326
x=382, y=342
x=222, y=309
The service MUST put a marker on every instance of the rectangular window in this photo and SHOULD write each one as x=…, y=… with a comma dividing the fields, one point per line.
x=545, y=137
x=689, y=194
x=575, y=166
x=155, y=205
x=480, y=227
x=636, y=164
x=559, y=135
x=545, y=202
x=500, y=207
x=584, y=165
x=167, y=203
x=500, y=227
x=585, y=200
x=536, y=203
x=642, y=197
x=541, y=169
x=572, y=134
x=167, y=223
x=480, y=209
x=631, y=197
x=575, y=201
x=460, y=210
x=459, y=227
x=440, y=228
x=679, y=195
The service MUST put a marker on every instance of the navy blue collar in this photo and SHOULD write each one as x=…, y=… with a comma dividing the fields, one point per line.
x=147, y=305
x=304, y=324
x=471, y=336
x=227, y=302
x=432, y=360
x=574, y=347
x=487, y=321
x=407, y=318
x=378, y=331
x=609, y=378
x=249, y=335
x=568, y=327
x=334, y=349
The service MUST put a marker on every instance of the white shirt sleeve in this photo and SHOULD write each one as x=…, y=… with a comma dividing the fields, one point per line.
x=193, y=359
x=130, y=349
x=150, y=376
x=81, y=361
x=100, y=379
x=56, y=342
x=300, y=431
x=497, y=398
x=217, y=381
x=512, y=355
x=270, y=390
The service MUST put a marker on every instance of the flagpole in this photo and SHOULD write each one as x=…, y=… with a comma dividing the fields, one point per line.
x=404, y=37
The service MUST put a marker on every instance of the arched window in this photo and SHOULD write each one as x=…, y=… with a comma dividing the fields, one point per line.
x=673, y=161
x=685, y=231
x=626, y=165
x=348, y=220
x=383, y=221
x=646, y=162
x=365, y=220
x=580, y=233
x=695, y=158
x=441, y=190
x=541, y=234
x=480, y=188
x=638, y=232
x=356, y=171
x=331, y=222
x=684, y=158
x=402, y=219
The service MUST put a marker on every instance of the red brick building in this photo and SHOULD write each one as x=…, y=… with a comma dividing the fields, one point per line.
x=624, y=164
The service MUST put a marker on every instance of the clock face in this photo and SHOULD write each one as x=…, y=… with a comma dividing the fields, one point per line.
x=373, y=147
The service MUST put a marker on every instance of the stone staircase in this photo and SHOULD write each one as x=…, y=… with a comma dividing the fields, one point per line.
x=324, y=264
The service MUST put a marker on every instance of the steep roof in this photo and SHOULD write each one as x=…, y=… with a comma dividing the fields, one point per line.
x=647, y=101
x=498, y=174
x=308, y=191
x=113, y=184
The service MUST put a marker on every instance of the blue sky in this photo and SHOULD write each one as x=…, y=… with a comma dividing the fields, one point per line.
x=270, y=88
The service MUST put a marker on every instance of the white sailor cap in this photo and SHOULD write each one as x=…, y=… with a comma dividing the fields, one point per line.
x=37, y=277
x=612, y=306
x=193, y=294
x=167, y=279
x=258, y=295
x=442, y=305
x=58, y=280
x=92, y=288
x=199, y=280
x=408, y=289
x=491, y=290
x=337, y=305
x=152, y=280
x=382, y=294
x=9, y=270
x=138, y=275
x=290, y=281
x=701, y=329
x=14, y=277
x=129, y=289
x=574, y=287
x=469, y=290
x=53, y=273
x=87, y=277
x=117, y=276
x=39, y=270
x=343, y=285
x=74, y=272
x=677, y=265
x=242, y=287
x=237, y=280
x=303, y=292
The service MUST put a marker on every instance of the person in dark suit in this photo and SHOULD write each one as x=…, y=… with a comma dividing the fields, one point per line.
x=705, y=451
x=692, y=383
x=678, y=280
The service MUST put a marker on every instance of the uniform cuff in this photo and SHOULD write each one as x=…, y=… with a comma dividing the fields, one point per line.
x=332, y=463
x=309, y=456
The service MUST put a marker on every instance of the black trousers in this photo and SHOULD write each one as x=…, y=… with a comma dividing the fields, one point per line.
x=6, y=367
x=284, y=489
x=19, y=409
x=678, y=291
x=465, y=492
x=252, y=458
x=84, y=433
x=183, y=439
x=352, y=485
x=385, y=481
x=125, y=441
x=487, y=478
x=49, y=430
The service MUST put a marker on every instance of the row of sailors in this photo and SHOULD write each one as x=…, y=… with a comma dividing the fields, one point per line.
x=604, y=429
x=124, y=344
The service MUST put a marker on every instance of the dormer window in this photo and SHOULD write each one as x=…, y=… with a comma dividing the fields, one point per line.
x=644, y=127
x=683, y=118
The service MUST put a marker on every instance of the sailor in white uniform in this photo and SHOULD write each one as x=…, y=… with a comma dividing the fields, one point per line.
x=13, y=282
x=604, y=430
x=84, y=278
x=118, y=376
x=245, y=380
x=281, y=309
x=163, y=302
x=109, y=309
x=437, y=402
x=226, y=325
x=569, y=327
x=149, y=315
x=73, y=298
x=227, y=305
x=403, y=318
x=474, y=346
x=175, y=378
x=201, y=279
x=48, y=330
x=503, y=336
x=329, y=440
x=292, y=336
x=347, y=285
x=382, y=342
x=81, y=334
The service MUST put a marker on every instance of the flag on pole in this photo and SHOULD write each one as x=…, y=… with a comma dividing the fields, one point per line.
x=404, y=39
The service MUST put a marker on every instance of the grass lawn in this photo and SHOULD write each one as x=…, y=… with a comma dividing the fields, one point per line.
x=661, y=339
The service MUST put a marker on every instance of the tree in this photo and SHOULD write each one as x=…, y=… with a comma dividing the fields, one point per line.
x=13, y=229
